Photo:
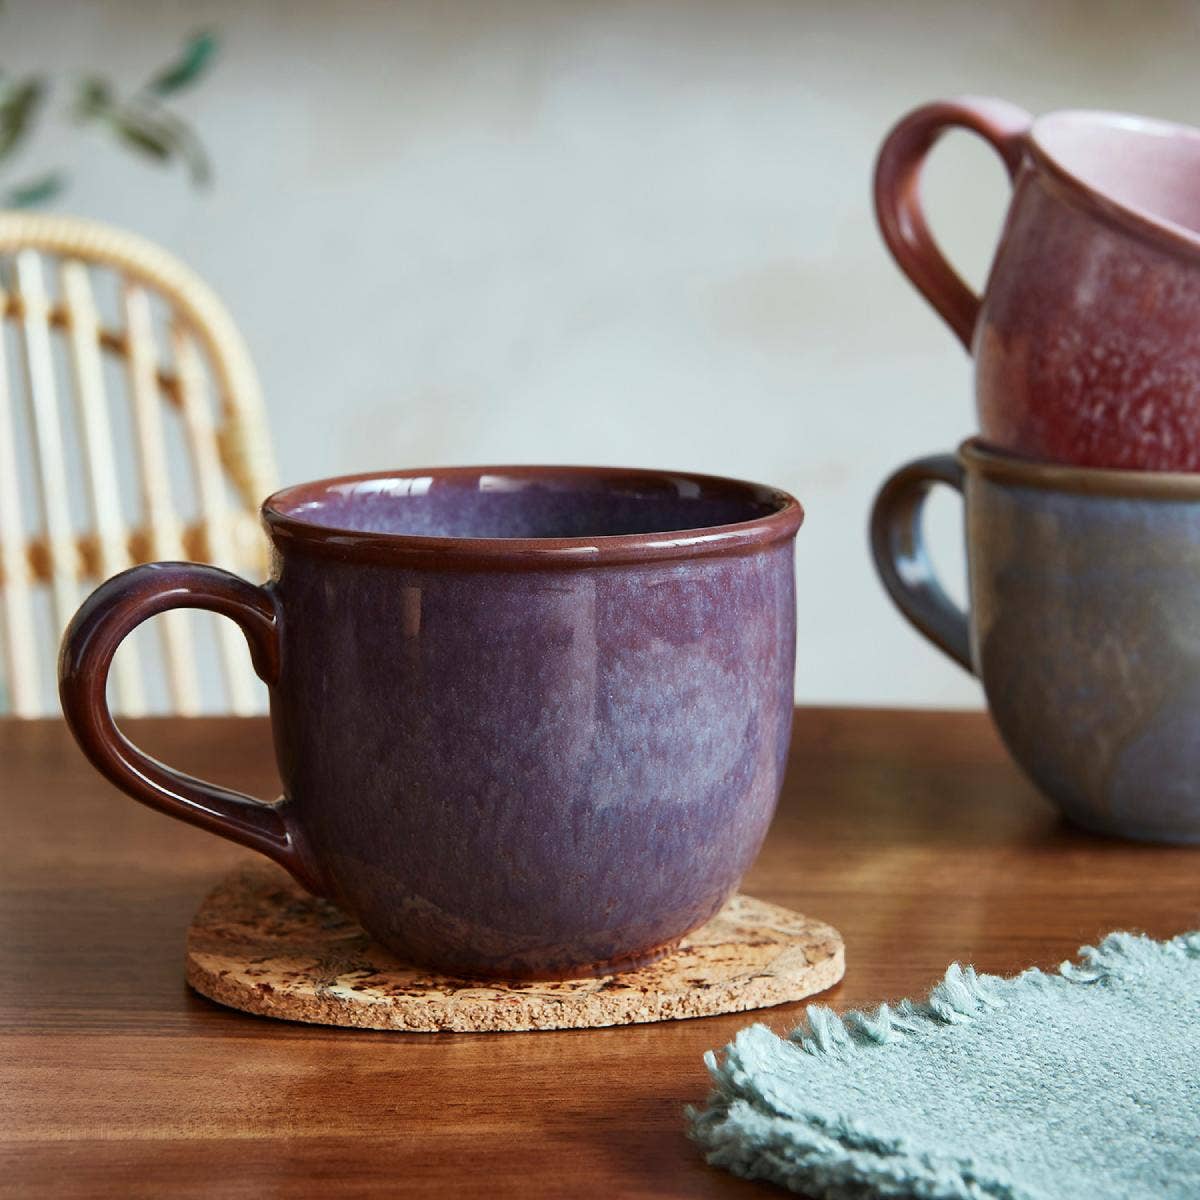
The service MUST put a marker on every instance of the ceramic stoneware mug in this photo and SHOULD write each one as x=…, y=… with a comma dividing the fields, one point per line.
x=1087, y=337
x=531, y=722
x=1084, y=625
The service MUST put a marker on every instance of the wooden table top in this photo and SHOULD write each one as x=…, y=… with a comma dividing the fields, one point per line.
x=911, y=832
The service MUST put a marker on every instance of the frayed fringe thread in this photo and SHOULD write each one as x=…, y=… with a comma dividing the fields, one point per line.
x=1124, y=955
x=960, y=997
x=842, y=1161
x=963, y=994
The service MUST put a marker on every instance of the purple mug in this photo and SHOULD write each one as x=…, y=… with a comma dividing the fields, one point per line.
x=1087, y=336
x=531, y=722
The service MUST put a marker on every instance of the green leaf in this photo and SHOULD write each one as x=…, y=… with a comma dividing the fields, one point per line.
x=197, y=54
x=193, y=153
x=35, y=191
x=143, y=136
x=186, y=145
x=162, y=136
x=18, y=105
x=93, y=98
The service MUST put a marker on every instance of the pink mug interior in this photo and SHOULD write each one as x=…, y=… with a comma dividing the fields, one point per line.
x=1147, y=167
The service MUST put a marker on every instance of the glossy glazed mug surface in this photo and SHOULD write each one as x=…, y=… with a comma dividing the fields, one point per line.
x=530, y=722
x=1084, y=625
x=1087, y=337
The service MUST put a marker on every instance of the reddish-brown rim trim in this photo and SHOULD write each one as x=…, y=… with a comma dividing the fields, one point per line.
x=291, y=532
x=1127, y=217
x=1003, y=467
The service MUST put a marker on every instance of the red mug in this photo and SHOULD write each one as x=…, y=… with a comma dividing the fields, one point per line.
x=1087, y=336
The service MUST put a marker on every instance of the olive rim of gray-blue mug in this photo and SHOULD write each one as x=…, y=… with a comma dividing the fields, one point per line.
x=985, y=460
x=743, y=537
x=1128, y=217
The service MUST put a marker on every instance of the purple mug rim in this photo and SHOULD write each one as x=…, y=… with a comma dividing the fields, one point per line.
x=290, y=531
x=1127, y=216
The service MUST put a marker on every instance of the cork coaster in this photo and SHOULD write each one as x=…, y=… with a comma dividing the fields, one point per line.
x=262, y=944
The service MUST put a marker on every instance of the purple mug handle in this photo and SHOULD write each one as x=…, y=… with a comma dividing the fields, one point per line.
x=898, y=195
x=903, y=562
x=106, y=618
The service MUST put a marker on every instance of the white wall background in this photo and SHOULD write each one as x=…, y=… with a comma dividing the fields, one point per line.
x=633, y=233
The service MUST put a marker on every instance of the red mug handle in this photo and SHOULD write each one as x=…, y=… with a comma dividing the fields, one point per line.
x=898, y=195
x=107, y=617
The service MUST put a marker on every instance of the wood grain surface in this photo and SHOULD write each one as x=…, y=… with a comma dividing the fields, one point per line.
x=910, y=832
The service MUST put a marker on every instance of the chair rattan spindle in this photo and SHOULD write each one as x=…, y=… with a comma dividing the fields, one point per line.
x=64, y=522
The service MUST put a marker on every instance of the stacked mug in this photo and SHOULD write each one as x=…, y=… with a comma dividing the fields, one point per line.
x=1082, y=492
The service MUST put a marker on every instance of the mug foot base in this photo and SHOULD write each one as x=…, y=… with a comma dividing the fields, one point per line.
x=1134, y=833
x=614, y=966
x=553, y=973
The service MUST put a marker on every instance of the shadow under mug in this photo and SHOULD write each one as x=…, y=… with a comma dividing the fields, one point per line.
x=1084, y=625
x=531, y=722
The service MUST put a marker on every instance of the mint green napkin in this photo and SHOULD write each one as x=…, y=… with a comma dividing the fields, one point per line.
x=1081, y=1084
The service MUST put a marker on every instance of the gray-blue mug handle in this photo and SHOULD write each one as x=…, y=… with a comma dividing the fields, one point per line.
x=902, y=559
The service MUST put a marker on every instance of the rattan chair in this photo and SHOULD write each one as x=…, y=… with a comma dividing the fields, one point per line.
x=127, y=434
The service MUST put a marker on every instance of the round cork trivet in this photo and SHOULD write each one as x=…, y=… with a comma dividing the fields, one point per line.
x=261, y=943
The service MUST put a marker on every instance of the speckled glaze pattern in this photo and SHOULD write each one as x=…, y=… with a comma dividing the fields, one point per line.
x=1084, y=626
x=525, y=750
x=1087, y=336
x=1087, y=348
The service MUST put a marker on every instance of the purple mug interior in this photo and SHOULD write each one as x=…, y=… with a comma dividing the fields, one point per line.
x=523, y=503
